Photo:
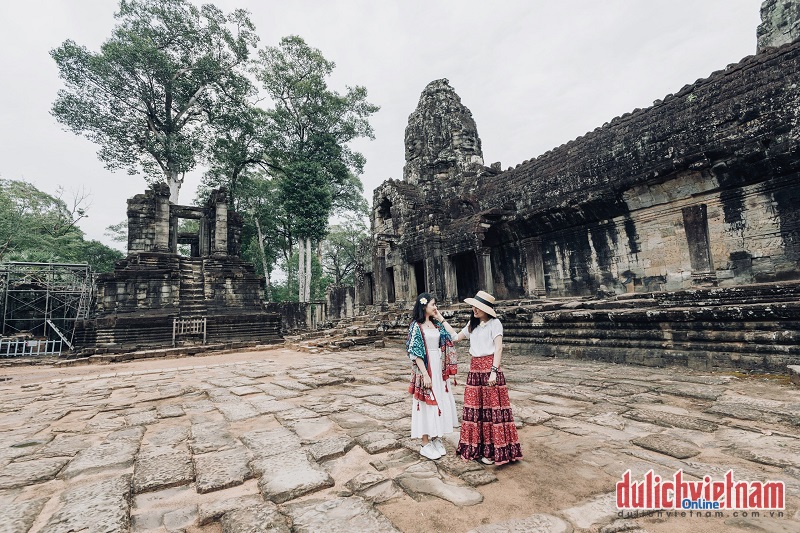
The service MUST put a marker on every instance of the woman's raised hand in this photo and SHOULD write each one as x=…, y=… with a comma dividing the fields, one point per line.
x=438, y=316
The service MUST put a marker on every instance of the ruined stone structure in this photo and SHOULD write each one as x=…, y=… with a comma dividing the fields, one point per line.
x=154, y=284
x=780, y=23
x=698, y=191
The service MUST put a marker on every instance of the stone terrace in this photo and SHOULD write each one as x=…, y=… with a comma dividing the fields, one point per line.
x=286, y=441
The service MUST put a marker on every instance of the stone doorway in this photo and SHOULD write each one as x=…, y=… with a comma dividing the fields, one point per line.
x=466, y=266
x=369, y=298
x=419, y=276
x=189, y=231
x=390, y=292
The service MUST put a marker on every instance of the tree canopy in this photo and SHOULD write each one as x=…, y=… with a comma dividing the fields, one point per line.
x=177, y=84
x=146, y=97
x=38, y=227
x=312, y=126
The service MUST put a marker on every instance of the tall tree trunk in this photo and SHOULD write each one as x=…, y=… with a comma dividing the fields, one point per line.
x=174, y=180
x=308, y=269
x=289, y=271
x=301, y=274
x=263, y=259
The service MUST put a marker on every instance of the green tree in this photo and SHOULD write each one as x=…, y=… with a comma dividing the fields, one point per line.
x=241, y=142
x=288, y=290
x=147, y=96
x=38, y=227
x=268, y=226
x=312, y=125
x=340, y=249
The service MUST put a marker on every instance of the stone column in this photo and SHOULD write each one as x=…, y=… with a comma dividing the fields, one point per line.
x=379, y=275
x=405, y=282
x=161, y=222
x=436, y=282
x=220, y=244
x=450, y=280
x=173, y=234
x=534, y=266
x=202, y=236
x=485, y=277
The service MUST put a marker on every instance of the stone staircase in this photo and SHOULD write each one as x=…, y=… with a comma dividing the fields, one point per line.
x=752, y=328
x=191, y=287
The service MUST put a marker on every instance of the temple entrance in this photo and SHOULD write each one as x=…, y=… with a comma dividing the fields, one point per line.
x=189, y=231
x=369, y=299
x=390, y=294
x=466, y=265
x=419, y=275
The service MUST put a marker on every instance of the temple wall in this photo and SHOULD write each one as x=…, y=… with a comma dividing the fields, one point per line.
x=155, y=288
x=674, y=231
x=747, y=241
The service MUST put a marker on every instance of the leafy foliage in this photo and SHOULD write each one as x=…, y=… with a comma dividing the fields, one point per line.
x=340, y=249
x=289, y=168
x=146, y=97
x=287, y=290
x=38, y=227
x=312, y=125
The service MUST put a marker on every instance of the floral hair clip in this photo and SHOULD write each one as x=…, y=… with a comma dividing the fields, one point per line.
x=423, y=301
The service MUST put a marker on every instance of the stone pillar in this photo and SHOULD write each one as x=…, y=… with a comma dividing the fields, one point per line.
x=485, y=277
x=379, y=275
x=450, y=280
x=534, y=267
x=220, y=244
x=405, y=282
x=202, y=236
x=173, y=234
x=161, y=220
x=436, y=283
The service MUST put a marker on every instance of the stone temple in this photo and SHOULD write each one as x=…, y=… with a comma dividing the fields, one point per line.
x=157, y=297
x=670, y=235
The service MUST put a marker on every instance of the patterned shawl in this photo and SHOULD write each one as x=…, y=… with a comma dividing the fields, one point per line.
x=415, y=345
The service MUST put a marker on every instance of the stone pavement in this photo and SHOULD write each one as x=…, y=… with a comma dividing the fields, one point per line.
x=284, y=441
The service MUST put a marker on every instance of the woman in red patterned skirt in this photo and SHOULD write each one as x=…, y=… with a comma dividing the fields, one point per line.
x=488, y=433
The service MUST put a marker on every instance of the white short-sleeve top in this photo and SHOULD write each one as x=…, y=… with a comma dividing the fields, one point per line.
x=481, y=340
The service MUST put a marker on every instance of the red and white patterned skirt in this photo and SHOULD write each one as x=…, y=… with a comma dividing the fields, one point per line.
x=487, y=427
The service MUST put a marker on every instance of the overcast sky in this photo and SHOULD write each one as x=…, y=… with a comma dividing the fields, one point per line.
x=534, y=73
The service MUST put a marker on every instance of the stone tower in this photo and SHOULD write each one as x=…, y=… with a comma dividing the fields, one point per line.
x=780, y=23
x=441, y=137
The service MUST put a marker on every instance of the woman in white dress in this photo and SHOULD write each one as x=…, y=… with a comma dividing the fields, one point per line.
x=430, y=348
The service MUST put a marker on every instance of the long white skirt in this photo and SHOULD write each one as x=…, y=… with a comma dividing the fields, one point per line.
x=425, y=419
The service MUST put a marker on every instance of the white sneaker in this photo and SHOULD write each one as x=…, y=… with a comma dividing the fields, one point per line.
x=439, y=445
x=429, y=451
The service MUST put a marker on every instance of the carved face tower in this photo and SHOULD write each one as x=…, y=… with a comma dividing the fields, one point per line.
x=441, y=137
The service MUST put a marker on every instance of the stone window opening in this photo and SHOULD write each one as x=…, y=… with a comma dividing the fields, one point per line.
x=384, y=212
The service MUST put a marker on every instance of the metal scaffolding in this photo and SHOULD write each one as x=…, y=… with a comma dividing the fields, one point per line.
x=41, y=303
